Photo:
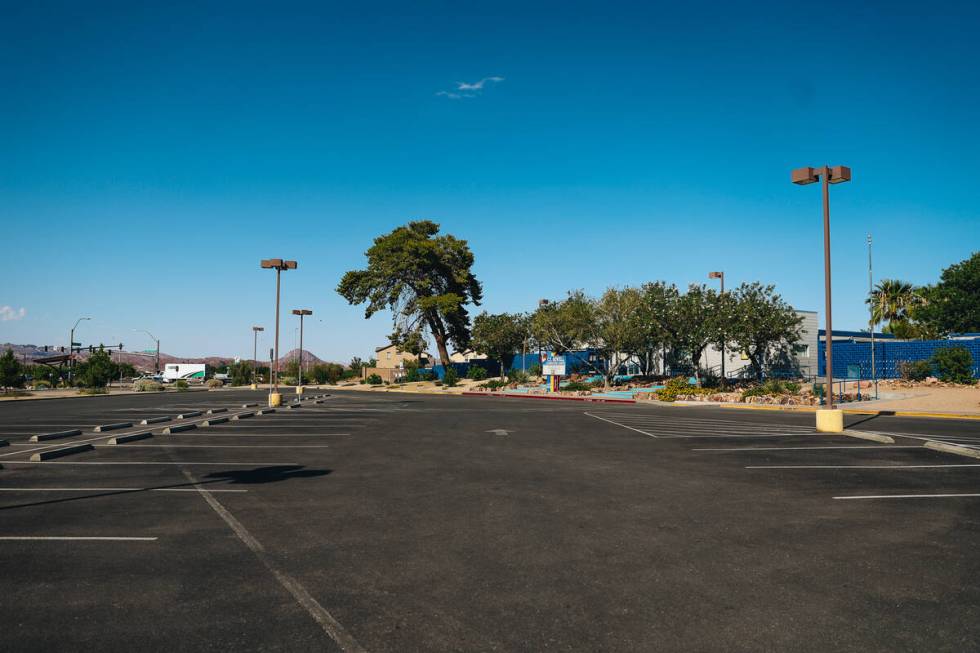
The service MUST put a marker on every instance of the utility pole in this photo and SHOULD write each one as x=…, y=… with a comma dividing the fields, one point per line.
x=71, y=348
x=302, y=312
x=278, y=265
x=721, y=276
x=255, y=350
x=871, y=319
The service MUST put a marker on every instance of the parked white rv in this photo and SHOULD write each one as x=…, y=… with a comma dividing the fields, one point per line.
x=184, y=371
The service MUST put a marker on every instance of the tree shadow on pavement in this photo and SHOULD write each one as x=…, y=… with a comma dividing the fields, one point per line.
x=267, y=474
x=258, y=475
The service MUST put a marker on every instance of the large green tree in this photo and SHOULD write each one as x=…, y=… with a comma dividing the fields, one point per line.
x=618, y=329
x=697, y=320
x=896, y=303
x=424, y=278
x=763, y=324
x=97, y=370
x=656, y=320
x=953, y=304
x=11, y=375
x=563, y=326
x=499, y=335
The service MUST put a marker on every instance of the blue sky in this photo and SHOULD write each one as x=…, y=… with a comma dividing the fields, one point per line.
x=151, y=156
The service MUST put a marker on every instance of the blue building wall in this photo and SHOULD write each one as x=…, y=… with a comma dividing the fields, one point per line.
x=888, y=354
x=576, y=362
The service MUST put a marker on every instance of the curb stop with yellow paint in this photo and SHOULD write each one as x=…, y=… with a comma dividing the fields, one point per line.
x=275, y=399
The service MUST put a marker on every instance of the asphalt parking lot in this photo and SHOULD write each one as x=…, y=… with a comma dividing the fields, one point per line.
x=401, y=522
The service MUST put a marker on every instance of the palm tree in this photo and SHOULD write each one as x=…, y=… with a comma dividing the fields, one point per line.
x=893, y=301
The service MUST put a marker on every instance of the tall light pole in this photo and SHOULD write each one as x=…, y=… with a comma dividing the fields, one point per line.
x=829, y=175
x=71, y=347
x=152, y=337
x=871, y=319
x=301, y=312
x=278, y=265
x=255, y=350
x=721, y=276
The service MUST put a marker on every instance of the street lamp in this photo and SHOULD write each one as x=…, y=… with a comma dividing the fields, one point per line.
x=720, y=276
x=301, y=312
x=152, y=337
x=255, y=350
x=71, y=347
x=833, y=420
x=278, y=265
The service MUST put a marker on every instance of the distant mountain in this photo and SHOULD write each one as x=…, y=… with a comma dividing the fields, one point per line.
x=146, y=361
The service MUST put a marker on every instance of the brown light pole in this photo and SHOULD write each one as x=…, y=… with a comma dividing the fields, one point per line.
x=278, y=265
x=829, y=175
x=721, y=277
x=301, y=312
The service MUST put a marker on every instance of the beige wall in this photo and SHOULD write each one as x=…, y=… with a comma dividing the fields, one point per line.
x=390, y=357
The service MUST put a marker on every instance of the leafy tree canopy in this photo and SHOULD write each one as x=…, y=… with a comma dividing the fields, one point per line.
x=763, y=325
x=423, y=278
x=499, y=335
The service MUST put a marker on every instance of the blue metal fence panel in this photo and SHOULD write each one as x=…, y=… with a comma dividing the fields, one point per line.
x=888, y=355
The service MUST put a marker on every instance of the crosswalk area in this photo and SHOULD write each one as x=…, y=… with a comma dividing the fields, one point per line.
x=679, y=426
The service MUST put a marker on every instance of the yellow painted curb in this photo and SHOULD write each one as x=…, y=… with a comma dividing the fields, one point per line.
x=856, y=411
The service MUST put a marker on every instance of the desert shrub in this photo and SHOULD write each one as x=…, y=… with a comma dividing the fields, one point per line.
x=215, y=383
x=476, y=373
x=915, y=370
x=374, y=379
x=576, y=386
x=792, y=387
x=412, y=374
x=41, y=384
x=675, y=387
x=517, y=376
x=93, y=391
x=534, y=370
x=146, y=385
x=437, y=382
x=954, y=364
x=451, y=377
x=754, y=391
x=493, y=384
x=181, y=385
x=287, y=380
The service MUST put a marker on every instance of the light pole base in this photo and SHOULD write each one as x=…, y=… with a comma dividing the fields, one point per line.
x=830, y=421
x=299, y=389
x=275, y=399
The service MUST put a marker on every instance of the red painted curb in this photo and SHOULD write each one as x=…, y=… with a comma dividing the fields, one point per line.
x=587, y=399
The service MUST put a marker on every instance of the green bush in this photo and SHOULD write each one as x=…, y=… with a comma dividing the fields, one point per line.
x=534, y=370
x=412, y=374
x=181, y=385
x=792, y=388
x=215, y=383
x=676, y=387
x=576, y=386
x=374, y=379
x=915, y=370
x=517, y=376
x=41, y=384
x=451, y=377
x=146, y=385
x=476, y=373
x=954, y=364
x=493, y=384
x=287, y=380
x=93, y=391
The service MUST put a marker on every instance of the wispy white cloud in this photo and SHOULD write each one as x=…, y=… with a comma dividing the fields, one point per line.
x=469, y=89
x=9, y=313
x=477, y=86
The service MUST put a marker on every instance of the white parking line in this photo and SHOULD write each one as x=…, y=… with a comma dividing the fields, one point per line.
x=258, y=435
x=141, y=462
x=107, y=489
x=70, y=538
x=861, y=466
x=622, y=425
x=907, y=496
x=212, y=446
x=853, y=446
